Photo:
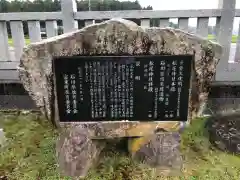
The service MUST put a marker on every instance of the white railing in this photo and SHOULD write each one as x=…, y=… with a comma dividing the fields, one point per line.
x=69, y=16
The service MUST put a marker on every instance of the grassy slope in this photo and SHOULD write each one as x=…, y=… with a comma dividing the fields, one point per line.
x=30, y=155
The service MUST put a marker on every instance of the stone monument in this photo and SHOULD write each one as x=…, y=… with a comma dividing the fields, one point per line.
x=117, y=79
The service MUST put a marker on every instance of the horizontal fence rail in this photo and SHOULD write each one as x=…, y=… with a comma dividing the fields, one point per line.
x=17, y=23
x=127, y=14
x=150, y=14
x=28, y=16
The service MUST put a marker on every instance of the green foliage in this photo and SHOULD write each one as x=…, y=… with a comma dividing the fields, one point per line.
x=202, y=160
x=173, y=25
x=30, y=155
x=54, y=5
x=10, y=41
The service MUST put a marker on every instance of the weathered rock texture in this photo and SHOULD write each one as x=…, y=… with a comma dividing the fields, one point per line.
x=76, y=152
x=160, y=151
x=118, y=36
x=224, y=132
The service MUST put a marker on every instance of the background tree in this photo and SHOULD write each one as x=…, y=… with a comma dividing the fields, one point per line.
x=54, y=5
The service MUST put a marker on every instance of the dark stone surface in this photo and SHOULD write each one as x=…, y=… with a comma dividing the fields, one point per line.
x=222, y=105
x=223, y=99
x=115, y=78
x=17, y=102
x=224, y=91
x=12, y=89
x=14, y=96
x=224, y=132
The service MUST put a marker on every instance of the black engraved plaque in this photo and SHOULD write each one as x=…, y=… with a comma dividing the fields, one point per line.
x=113, y=88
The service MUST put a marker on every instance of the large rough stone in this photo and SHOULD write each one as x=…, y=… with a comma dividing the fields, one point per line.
x=224, y=131
x=160, y=151
x=76, y=152
x=118, y=36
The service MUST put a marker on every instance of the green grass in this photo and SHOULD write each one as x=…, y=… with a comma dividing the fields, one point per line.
x=10, y=41
x=234, y=38
x=30, y=155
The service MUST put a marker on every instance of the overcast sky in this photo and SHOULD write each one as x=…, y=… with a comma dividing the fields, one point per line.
x=188, y=4
x=183, y=4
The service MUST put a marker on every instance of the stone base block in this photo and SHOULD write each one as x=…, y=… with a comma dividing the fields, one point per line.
x=77, y=153
x=160, y=151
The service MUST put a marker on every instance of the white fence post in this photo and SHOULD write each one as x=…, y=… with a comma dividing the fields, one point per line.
x=51, y=28
x=218, y=19
x=202, y=27
x=88, y=22
x=4, y=50
x=69, y=8
x=145, y=22
x=164, y=22
x=224, y=36
x=18, y=38
x=237, y=54
x=183, y=24
x=34, y=31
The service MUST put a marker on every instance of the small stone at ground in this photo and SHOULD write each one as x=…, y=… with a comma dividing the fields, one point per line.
x=2, y=138
x=224, y=132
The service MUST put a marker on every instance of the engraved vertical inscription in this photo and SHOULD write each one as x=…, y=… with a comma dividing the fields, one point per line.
x=173, y=84
x=127, y=90
x=113, y=88
x=161, y=97
x=179, y=86
x=150, y=86
x=131, y=90
x=73, y=93
x=115, y=85
x=103, y=87
x=80, y=77
x=67, y=94
x=92, y=89
x=123, y=93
